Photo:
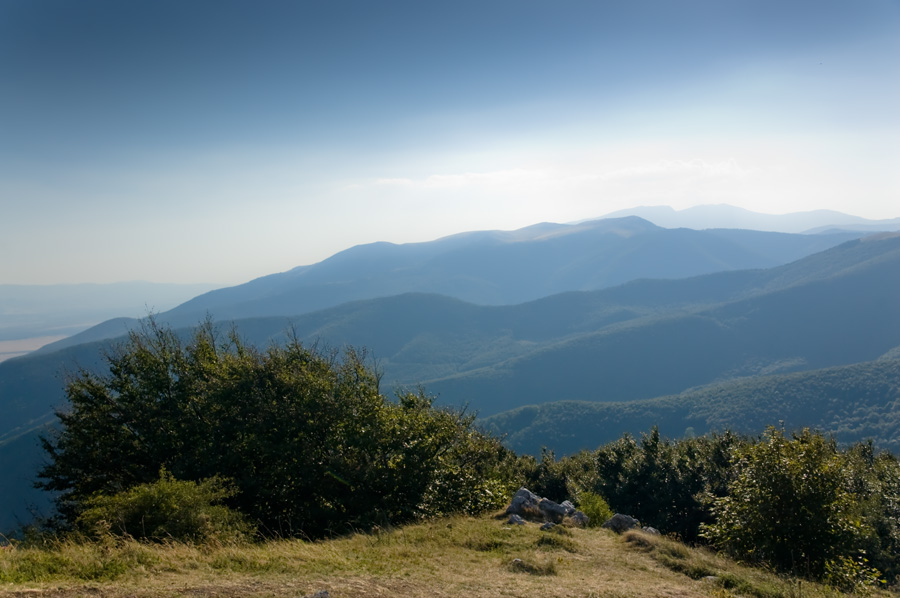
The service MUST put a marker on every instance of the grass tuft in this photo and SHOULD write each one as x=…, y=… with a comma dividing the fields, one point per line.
x=547, y=567
x=560, y=530
x=556, y=543
x=486, y=545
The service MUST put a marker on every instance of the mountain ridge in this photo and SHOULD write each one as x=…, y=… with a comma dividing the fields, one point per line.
x=728, y=216
x=504, y=267
x=809, y=325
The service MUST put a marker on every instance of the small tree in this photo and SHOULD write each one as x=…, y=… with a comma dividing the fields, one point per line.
x=790, y=505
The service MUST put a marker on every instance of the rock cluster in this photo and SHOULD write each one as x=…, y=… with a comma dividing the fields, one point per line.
x=528, y=505
x=524, y=504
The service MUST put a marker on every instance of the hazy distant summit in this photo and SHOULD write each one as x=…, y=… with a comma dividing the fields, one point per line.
x=497, y=267
x=506, y=267
x=726, y=216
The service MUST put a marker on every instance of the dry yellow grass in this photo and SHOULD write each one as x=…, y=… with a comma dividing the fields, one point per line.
x=451, y=557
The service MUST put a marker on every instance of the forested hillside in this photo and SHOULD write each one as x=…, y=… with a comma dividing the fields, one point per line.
x=853, y=403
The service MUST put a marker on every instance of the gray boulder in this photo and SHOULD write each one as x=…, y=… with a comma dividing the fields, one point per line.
x=621, y=523
x=580, y=519
x=516, y=520
x=650, y=530
x=570, y=508
x=525, y=502
x=548, y=526
x=552, y=511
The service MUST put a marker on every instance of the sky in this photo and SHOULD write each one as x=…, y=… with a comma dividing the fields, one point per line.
x=217, y=141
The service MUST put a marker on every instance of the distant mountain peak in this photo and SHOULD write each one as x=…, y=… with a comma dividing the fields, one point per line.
x=728, y=216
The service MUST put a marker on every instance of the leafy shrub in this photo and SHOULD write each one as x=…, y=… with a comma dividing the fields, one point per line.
x=167, y=509
x=851, y=576
x=790, y=505
x=595, y=507
x=557, y=479
x=876, y=485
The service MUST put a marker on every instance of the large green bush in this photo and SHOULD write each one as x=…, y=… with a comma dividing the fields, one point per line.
x=791, y=505
x=167, y=509
x=309, y=441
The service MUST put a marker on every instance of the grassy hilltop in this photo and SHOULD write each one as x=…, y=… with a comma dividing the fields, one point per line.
x=457, y=556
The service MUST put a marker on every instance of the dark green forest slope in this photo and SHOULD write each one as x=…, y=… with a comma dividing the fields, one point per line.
x=853, y=403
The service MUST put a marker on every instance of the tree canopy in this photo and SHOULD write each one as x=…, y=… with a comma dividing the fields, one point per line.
x=306, y=437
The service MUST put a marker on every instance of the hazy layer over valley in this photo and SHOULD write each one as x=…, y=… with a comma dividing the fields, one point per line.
x=30, y=311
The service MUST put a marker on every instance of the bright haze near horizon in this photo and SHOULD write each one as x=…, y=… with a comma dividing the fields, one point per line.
x=218, y=141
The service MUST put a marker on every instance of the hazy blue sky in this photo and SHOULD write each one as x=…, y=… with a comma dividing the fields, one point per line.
x=217, y=141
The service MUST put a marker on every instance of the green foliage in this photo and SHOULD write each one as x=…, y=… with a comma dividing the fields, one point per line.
x=553, y=541
x=557, y=479
x=547, y=477
x=595, y=507
x=308, y=440
x=790, y=506
x=852, y=576
x=875, y=485
x=665, y=484
x=798, y=503
x=167, y=509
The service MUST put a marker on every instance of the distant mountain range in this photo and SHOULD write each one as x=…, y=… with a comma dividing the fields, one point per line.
x=623, y=312
x=838, y=307
x=494, y=268
x=503, y=268
x=725, y=216
x=485, y=267
x=640, y=340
